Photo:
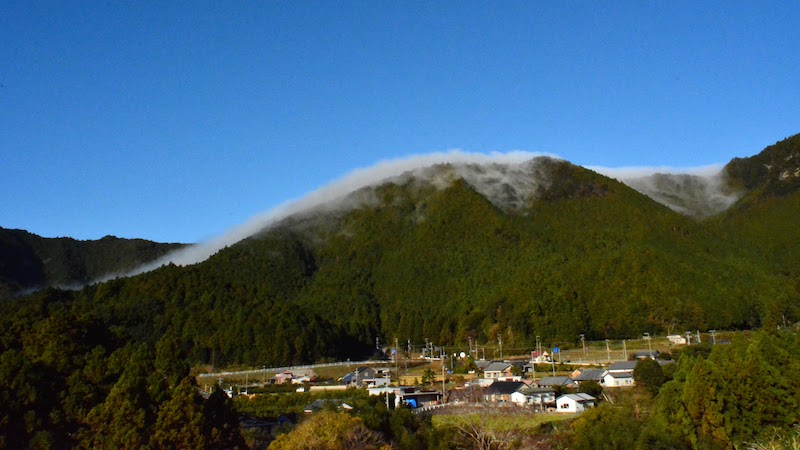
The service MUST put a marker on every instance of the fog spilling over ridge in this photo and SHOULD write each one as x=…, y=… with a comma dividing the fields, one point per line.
x=698, y=192
x=506, y=179
x=333, y=196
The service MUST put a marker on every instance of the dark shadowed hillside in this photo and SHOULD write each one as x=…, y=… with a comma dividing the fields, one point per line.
x=28, y=261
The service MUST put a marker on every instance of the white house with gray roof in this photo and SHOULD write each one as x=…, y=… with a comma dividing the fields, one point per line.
x=500, y=371
x=572, y=403
x=619, y=374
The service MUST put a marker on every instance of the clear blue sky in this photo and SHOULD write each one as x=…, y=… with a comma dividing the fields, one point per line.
x=175, y=121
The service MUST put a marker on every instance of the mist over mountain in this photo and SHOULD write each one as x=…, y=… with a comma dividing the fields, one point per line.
x=523, y=246
x=509, y=181
x=695, y=195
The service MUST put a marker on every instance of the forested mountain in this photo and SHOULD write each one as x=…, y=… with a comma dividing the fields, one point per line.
x=454, y=252
x=28, y=261
x=448, y=253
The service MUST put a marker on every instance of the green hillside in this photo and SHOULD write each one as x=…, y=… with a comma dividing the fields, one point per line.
x=584, y=255
x=415, y=258
x=28, y=261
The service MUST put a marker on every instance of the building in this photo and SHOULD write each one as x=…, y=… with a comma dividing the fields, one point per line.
x=500, y=371
x=676, y=339
x=589, y=375
x=619, y=374
x=556, y=381
x=413, y=398
x=618, y=379
x=500, y=391
x=572, y=403
x=366, y=376
x=284, y=377
x=540, y=357
x=538, y=397
x=644, y=354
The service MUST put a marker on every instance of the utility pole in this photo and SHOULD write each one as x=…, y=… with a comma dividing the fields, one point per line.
x=444, y=392
x=649, y=350
x=553, y=362
x=583, y=344
x=624, y=350
x=470, y=347
x=608, y=351
x=500, y=342
x=538, y=346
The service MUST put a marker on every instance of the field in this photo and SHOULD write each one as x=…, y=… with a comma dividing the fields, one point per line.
x=500, y=422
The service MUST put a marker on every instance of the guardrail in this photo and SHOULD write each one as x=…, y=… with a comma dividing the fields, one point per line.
x=424, y=409
x=242, y=373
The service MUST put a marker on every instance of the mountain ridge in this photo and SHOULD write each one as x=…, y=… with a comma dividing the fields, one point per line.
x=410, y=259
x=29, y=261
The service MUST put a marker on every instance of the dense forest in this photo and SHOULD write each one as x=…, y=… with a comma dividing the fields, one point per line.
x=584, y=254
x=580, y=254
x=740, y=395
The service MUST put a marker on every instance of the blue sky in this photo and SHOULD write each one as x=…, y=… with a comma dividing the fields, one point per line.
x=175, y=121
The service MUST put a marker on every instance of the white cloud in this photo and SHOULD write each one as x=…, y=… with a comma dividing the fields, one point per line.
x=496, y=174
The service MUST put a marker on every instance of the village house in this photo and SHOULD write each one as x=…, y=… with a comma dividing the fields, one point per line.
x=540, y=357
x=644, y=354
x=589, y=375
x=572, y=403
x=304, y=376
x=556, y=382
x=500, y=391
x=284, y=377
x=366, y=376
x=500, y=371
x=619, y=374
x=539, y=397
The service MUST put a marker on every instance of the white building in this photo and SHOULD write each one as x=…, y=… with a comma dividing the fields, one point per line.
x=572, y=403
x=619, y=374
x=618, y=379
x=533, y=396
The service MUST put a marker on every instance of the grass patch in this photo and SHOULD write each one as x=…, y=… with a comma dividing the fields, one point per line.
x=500, y=422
